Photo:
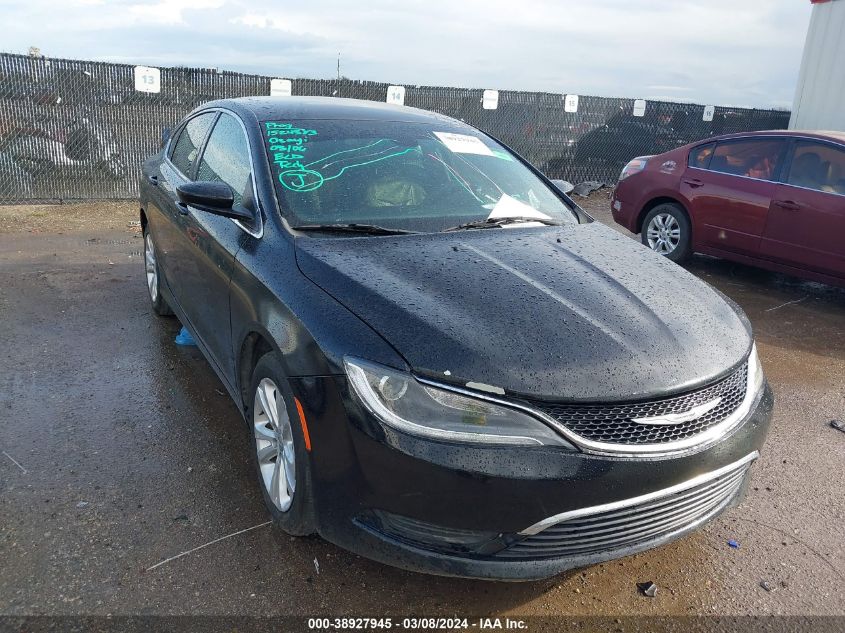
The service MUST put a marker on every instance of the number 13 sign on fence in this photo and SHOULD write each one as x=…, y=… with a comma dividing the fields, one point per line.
x=147, y=79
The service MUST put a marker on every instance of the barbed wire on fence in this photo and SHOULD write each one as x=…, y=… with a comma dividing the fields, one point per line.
x=72, y=129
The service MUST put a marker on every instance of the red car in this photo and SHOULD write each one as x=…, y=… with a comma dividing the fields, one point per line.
x=772, y=199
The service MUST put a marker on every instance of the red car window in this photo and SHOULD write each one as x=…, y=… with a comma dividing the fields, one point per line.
x=818, y=166
x=753, y=158
x=700, y=156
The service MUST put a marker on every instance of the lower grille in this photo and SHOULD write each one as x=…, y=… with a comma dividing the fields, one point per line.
x=635, y=522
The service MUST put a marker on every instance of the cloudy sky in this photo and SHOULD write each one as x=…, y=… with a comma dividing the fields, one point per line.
x=724, y=52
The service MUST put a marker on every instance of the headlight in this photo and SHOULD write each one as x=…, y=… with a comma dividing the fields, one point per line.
x=401, y=402
x=755, y=372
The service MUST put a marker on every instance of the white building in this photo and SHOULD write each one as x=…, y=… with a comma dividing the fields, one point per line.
x=820, y=95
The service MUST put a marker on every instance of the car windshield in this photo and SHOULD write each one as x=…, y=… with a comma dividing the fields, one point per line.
x=405, y=176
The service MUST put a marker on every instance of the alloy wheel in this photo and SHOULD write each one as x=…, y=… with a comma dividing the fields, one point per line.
x=150, y=267
x=274, y=444
x=663, y=233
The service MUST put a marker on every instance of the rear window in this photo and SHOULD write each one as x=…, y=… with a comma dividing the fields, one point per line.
x=751, y=158
x=700, y=156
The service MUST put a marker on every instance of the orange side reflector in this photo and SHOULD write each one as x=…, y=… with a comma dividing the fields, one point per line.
x=304, y=425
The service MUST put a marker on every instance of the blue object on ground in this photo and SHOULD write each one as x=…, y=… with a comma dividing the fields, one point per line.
x=184, y=338
x=733, y=543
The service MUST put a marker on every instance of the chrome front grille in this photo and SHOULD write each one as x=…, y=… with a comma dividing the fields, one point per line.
x=615, y=423
x=634, y=522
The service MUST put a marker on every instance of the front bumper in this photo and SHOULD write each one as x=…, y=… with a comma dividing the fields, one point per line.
x=361, y=473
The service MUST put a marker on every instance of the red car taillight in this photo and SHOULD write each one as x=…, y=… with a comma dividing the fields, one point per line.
x=634, y=166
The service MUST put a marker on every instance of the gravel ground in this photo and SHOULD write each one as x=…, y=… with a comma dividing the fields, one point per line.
x=120, y=450
x=58, y=219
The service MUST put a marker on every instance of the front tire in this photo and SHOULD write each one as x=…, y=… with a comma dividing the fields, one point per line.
x=667, y=231
x=152, y=275
x=281, y=460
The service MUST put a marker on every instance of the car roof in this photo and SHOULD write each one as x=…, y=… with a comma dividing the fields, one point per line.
x=838, y=137
x=334, y=108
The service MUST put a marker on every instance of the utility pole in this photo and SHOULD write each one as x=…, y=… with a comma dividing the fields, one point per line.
x=338, y=67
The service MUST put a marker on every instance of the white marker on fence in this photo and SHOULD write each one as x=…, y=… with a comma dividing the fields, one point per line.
x=639, y=107
x=281, y=88
x=396, y=95
x=147, y=79
x=490, y=100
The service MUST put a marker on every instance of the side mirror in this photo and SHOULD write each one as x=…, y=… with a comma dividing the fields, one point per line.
x=564, y=186
x=211, y=197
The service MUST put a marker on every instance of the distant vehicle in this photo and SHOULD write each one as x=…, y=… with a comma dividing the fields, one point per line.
x=85, y=145
x=773, y=199
x=444, y=363
x=624, y=135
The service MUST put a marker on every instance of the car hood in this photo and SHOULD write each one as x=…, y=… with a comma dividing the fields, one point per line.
x=578, y=312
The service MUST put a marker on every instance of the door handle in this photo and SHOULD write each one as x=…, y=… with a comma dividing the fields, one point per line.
x=789, y=205
x=183, y=208
x=694, y=182
x=153, y=180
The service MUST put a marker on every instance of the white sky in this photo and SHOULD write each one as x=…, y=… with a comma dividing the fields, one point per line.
x=723, y=52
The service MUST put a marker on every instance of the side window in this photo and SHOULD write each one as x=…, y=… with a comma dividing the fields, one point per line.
x=700, y=156
x=226, y=157
x=183, y=153
x=818, y=166
x=752, y=158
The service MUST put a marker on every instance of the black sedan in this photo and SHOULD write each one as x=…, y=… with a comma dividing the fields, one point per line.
x=446, y=365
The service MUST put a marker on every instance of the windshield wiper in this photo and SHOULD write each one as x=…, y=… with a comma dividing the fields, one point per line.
x=491, y=223
x=368, y=229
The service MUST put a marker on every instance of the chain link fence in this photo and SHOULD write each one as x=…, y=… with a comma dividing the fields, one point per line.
x=79, y=130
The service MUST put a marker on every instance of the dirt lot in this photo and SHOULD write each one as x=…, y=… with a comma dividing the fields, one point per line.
x=121, y=450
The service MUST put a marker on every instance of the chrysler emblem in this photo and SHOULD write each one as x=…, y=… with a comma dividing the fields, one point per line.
x=680, y=418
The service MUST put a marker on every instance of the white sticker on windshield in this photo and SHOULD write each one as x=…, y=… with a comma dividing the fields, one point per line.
x=509, y=207
x=464, y=143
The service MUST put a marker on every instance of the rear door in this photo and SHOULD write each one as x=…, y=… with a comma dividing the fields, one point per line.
x=806, y=226
x=729, y=187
